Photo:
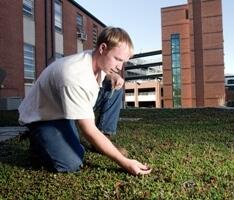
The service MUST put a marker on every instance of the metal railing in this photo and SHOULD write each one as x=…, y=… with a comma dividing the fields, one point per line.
x=140, y=68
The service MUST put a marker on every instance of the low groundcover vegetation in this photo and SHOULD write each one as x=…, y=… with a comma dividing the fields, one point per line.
x=191, y=152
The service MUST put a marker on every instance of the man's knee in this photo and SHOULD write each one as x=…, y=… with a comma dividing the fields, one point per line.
x=71, y=166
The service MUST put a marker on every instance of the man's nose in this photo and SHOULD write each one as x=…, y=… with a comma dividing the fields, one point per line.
x=119, y=66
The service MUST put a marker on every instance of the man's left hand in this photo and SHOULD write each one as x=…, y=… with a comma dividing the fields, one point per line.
x=116, y=81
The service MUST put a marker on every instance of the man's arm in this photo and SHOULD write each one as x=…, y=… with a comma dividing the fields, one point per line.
x=104, y=145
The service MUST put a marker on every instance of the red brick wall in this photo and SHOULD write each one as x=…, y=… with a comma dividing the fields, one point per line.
x=201, y=45
x=11, y=43
x=211, y=53
x=69, y=28
x=40, y=49
x=49, y=31
x=69, y=25
x=174, y=21
x=11, y=47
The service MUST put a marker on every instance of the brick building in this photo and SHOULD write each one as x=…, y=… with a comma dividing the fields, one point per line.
x=229, y=90
x=33, y=34
x=192, y=49
x=143, y=80
x=144, y=94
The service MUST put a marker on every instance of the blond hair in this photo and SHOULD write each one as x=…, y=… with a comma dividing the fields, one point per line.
x=112, y=36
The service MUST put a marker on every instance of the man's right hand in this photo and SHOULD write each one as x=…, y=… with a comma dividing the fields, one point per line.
x=135, y=167
x=104, y=145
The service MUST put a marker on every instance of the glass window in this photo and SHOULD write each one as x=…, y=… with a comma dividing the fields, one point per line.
x=175, y=57
x=186, y=14
x=176, y=72
x=80, y=28
x=95, y=35
x=175, y=36
x=29, y=62
x=80, y=23
x=231, y=81
x=58, y=15
x=177, y=102
x=177, y=92
x=28, y=7
x=176, y=69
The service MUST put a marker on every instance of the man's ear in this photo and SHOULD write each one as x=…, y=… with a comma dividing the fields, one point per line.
x=102, y=48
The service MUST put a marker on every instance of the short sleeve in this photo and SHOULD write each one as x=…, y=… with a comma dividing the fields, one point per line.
x=76, y=103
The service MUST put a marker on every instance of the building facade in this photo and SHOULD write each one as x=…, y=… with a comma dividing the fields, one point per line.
x=143, y=80
x=193, y=58
x=144, y=94
x=229, y=90
x=34, y=33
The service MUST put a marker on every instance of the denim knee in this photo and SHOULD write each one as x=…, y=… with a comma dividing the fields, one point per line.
x=69, y=162
x=57, y=143
x=72, y=166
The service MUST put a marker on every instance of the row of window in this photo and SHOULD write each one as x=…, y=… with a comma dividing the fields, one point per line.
x=28, y=10
x=29, y=50
x=142, y=91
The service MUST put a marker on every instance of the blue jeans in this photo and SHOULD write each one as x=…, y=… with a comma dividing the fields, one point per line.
x=108, y=107
x=57, y=144
x=57, y=141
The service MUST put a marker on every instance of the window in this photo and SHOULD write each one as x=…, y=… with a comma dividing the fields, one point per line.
x=80, y=23
x=231, y=88
x=186, y=14
x=161, y=92
x=129, y=92
x=95, y=35
x=230, y=81
x=29, y=62
x=162, y=104
x=176, y=70
x=58, y=15
x=80, y=28
x=146, y=91
x=28, y=7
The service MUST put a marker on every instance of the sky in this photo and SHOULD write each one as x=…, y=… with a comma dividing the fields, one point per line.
x=142, y=20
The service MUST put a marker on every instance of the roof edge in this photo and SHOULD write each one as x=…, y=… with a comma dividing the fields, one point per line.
x=87, y=12
x=176, y=6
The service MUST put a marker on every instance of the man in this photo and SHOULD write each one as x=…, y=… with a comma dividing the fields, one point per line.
x=65, y=95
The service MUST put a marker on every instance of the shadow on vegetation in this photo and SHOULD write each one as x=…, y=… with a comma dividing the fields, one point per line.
x=15, y=153
x=109, y=169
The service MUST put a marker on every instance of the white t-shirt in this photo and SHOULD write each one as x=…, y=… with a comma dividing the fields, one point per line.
x=66, y=89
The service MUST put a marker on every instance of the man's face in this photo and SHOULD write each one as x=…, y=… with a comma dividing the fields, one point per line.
x=111, y=61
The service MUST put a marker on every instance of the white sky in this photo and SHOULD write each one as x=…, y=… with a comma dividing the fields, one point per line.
x=142, y=20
